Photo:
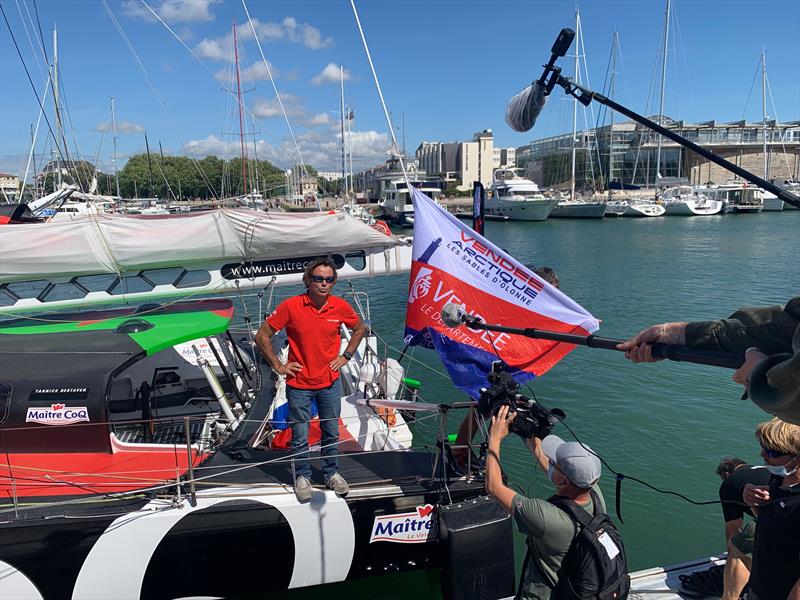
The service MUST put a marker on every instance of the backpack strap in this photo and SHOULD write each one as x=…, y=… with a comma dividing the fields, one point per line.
x=576, y=512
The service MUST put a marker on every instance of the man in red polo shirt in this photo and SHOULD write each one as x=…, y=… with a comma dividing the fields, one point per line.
x=312, y=321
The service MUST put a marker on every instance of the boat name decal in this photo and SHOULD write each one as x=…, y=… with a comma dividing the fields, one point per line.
x=496, y=268
x=280, y=266
x=57, y=414
x=405, y=528
x=58, y=394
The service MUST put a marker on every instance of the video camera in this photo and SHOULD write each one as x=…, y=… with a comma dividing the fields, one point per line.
x=532, y=418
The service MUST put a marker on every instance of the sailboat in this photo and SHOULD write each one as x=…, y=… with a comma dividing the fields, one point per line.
x=574, y=207
x=648, y=208
x=686, y=201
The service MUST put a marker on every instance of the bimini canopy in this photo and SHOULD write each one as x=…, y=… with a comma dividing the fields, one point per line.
x=55, y=370
x=106, y=258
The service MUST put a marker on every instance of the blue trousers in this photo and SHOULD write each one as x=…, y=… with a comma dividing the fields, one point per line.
x=329, y=407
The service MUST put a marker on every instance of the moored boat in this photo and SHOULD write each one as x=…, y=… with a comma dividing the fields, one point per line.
x=162, y=443
x=578, y=209
x=644, y=209
x=518, y=199
x=685, y=201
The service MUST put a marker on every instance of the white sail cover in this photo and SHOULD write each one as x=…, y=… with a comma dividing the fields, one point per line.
x=123, y=243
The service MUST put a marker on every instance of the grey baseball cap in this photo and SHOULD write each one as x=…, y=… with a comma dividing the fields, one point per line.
x=575, y=461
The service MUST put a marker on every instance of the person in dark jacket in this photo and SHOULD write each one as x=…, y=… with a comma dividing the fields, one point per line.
x=769, y=337
x=739, y=535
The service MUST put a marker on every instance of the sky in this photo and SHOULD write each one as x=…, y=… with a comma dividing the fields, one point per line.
x=446, y=68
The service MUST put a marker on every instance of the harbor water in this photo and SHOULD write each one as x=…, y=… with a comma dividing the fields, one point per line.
x=666, y=423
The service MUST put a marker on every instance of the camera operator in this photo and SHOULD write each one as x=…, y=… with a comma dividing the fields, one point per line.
x=575, y=472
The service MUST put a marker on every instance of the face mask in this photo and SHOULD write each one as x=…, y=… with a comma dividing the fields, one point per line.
x=779, y=471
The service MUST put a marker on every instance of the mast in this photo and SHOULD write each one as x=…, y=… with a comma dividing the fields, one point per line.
x=114, y=138
x=612, y=82
x=341, y=105
x=350, y=146
x=764, y=107
x=241, y=109
x=149, y=165
x=56, y=99
x=575, y=104
x=663, y=81
x=255, y=152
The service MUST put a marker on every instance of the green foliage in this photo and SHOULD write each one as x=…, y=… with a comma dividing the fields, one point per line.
x=180, y=176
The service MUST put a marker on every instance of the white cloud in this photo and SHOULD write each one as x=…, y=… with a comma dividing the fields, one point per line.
x=320, y=149
x=320, y=119
x=331, y=74
x=217, y=49
x=173, y=11
x=255, y=72
x=266, y=109
x=221, y=48
x=122, y=127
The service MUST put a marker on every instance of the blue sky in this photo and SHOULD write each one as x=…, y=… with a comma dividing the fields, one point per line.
x=446, y=68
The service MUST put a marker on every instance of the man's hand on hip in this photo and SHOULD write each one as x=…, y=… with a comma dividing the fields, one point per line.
x=338, y=362
x=290, y=369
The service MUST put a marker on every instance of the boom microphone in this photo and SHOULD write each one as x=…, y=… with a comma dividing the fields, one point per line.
x=524, y=108
x=453, y=314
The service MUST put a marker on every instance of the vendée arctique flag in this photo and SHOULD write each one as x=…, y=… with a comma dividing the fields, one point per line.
x=452, y=263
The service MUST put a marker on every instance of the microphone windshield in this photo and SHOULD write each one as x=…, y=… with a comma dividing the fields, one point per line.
x=453, y=314
x=524, y=108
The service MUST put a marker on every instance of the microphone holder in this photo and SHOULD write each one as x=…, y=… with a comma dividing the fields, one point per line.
x=674, y=352
x=585, y=97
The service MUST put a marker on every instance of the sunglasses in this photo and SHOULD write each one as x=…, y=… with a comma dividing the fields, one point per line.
x=320, y=279
x=772, y=453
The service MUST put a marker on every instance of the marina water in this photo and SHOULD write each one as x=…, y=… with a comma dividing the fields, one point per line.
x=666, y=423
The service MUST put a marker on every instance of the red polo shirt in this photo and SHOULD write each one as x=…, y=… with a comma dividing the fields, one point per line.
x=314, y=337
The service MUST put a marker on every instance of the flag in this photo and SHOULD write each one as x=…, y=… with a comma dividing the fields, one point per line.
x=452, y=263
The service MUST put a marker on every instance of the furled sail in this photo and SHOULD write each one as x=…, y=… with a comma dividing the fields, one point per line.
x=104, y=258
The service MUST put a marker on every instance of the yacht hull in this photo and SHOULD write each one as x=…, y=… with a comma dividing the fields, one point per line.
x=773, y=204
x=644, y=210
x=229, y=543
x=692, y=209
x=578, y=210
x=519, y=210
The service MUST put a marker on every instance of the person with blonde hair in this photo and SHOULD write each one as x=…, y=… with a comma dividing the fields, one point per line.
x=776, y=550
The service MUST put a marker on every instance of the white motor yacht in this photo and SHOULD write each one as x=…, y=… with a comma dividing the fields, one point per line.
x=736, y=197
x=686, y=201
x=517, y=199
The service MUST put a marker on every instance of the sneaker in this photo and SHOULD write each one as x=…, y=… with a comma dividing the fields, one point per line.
x=302, y=489
x=337, y=483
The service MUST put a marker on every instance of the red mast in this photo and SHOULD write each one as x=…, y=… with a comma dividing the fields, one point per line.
x=241, y=109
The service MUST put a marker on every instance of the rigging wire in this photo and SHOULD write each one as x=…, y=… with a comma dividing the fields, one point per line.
x=394, y=148
x=158, y=97
x=30, y=80
x=34, y=49
x=278, y=97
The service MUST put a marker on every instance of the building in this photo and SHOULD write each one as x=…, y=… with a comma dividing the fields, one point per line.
x=9, y=187
x=330, y=175
x=300, y=185
x=635, y=153
x=459, y=164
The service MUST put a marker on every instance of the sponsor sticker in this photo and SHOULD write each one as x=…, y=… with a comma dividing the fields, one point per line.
x=404, y=528
x=57, y=414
